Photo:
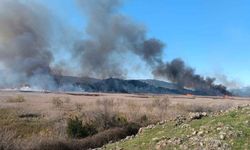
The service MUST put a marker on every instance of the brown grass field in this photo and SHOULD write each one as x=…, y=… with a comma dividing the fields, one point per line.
x=27, y=119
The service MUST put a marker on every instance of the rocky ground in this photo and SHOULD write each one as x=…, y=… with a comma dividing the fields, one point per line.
x=216, y=131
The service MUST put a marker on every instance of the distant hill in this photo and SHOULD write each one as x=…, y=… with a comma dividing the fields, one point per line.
x=158, y=83
x=244, y=92
x=114, y=85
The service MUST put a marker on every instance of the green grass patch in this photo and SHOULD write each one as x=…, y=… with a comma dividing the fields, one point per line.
x=236, y=122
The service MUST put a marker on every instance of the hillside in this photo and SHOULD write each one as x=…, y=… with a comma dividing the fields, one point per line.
x=115, y=85
x=226, y=130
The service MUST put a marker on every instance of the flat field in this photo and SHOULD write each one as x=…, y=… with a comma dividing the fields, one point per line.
x=32, y=119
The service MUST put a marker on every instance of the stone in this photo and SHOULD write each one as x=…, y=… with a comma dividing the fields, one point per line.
x=194, y=133
x=222, y=137
x=156, y=139
x=200, y=133
x=197, y=115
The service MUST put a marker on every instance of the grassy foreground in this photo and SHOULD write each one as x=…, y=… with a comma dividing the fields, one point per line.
x=226, y=130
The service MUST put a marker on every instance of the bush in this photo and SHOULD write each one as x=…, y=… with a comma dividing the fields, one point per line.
x=161, y=104
x=57, y=102
x=143, y=120
x=90, y=142
x=118, y=121
x=75, y=129
x=132, y=129
x=78, y=107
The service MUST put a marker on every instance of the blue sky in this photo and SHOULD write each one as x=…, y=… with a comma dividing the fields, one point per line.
x=213, y=36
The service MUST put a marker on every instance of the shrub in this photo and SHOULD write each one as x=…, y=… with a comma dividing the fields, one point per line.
x=118, y=121
x=203, y=108
x=29, y=115
x=78, y=107
x=132, y=128
x=161, y=104
x=144, y=120
x=233, y=114
x=90, y=142
x=75, y=128
x=105, y=112
x=57, y=102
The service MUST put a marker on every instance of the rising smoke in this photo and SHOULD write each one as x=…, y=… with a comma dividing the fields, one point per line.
x=26, y=38
x=110, y=34
x=185, y=77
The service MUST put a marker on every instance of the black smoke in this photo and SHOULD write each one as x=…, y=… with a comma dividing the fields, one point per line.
x=110, y=34
x=25, y=37
x=27, y=41
x=185, y=77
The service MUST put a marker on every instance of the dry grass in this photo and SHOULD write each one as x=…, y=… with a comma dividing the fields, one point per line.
x=57, y=102
x=31, y=115
x=18, y=99
x=8, y=140
x=202, y=108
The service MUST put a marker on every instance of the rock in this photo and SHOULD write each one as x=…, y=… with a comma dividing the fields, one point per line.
x=150, y=126
x=162, y=122
x=185, y=126
x=156, y=139
x=200, y=133
x=218, y=129
x=180, y=120
x=129, y=137
x=184, y=147
x=247, y=123
x=222, y=137
x=194, y=133
x=161, y=145
x=220, y=124
x=197, y=115
x=204, y=114
x=177, y=141
x=118, y=148
x=140, y=130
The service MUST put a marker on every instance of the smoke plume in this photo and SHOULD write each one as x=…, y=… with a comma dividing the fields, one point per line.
x=25, y=35
x=110, y=34
x=185, y=77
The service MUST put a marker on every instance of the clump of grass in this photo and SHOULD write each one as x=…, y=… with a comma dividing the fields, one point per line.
x=161, y=105
x=57, y=102
x=76, y=129
x=193, y=108
x=105, y=111
x=90, y=142
x=202, y=108
x=18, y=99
x=29, y=115
x=79, y=106
x=144, y=120
x=67, y=100
x=7, y=140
